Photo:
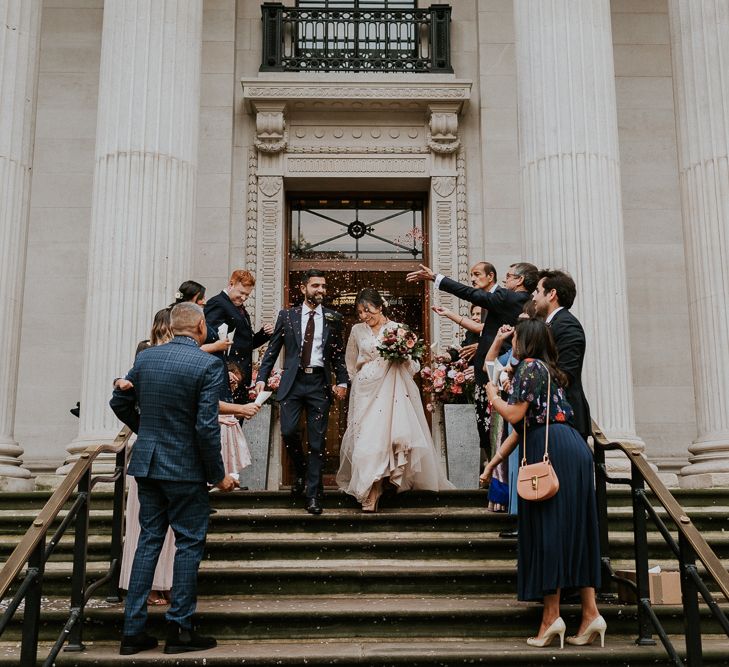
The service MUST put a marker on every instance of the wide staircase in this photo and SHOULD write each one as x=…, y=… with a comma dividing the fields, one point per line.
x=426, y=581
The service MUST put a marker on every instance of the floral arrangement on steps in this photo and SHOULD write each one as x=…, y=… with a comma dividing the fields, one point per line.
x=446, y=380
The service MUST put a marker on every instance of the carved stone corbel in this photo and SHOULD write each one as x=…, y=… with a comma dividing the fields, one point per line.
x=443, y=132
x=271, y=133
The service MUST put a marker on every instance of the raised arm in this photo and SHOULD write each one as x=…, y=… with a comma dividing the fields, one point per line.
x=461, y=320
x=272, y=351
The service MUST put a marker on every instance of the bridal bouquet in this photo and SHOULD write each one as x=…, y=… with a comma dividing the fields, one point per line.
x=400, y=344
x=445, y=380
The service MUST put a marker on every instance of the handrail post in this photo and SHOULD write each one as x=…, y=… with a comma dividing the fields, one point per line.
x=80, y=554
x=117, y=528
x=602, y=519
x=272, y=38
x=440, y=39
x=690, y=597
x=31, y=615
x=640, y=541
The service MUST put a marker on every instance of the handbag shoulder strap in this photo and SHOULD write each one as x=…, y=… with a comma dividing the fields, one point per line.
x=546, y=430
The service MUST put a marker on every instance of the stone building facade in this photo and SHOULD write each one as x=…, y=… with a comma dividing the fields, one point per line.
x=144, y=144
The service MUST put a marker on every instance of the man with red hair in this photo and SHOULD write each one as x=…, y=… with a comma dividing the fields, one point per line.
x=229, y=307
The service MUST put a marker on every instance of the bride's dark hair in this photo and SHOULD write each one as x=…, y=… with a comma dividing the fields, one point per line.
x=369, y=296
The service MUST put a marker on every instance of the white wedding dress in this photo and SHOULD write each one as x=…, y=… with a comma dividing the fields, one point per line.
x=387, y=434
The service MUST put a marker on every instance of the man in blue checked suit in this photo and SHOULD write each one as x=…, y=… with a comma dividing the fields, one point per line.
x=172, y=406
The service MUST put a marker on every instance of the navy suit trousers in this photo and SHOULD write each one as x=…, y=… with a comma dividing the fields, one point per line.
x=310, y=393
x=186, y=507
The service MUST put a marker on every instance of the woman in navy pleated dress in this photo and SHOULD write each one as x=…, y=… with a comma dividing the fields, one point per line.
x=558, y=542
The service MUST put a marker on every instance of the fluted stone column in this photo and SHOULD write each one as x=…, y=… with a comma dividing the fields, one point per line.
x=700, y=49
x=19, y=55
x=144, y=189
x=570, y=174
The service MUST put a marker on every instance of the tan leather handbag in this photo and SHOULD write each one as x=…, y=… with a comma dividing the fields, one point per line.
x=538, y=481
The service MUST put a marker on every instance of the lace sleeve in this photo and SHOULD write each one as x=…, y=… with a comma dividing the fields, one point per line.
x=350, y=356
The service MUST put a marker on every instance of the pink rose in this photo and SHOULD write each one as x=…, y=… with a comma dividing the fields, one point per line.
x=439, y=374
x=410, y=343
x=401, y=332
x=460, y=378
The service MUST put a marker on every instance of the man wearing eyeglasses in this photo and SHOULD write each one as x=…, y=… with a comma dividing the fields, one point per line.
x=504, y=305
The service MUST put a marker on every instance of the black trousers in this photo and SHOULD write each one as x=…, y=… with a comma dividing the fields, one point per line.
x=311, y=393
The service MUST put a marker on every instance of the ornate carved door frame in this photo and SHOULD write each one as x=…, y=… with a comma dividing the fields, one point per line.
x=414, y=138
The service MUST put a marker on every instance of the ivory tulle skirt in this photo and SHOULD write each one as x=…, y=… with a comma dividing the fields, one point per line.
x=387, y=434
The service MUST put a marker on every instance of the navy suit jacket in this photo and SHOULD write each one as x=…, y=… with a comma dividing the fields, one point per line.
x=177, y=387
x=504, y=307
x=287, y=335
x=220, y=309
x=569, y=337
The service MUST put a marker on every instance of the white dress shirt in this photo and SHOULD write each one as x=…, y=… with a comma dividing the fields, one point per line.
x=317, y=351
x=552, y=314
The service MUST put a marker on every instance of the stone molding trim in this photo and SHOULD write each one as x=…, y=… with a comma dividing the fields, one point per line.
x=252, y=225
x=362, y=150
x=462, y=225
x=353, y=165
x=382, y=93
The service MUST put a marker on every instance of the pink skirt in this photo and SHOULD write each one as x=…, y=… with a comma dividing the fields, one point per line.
x=233, y=445
x=163, y=574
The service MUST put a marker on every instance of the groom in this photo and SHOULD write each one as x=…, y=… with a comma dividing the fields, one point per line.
x=313, y=343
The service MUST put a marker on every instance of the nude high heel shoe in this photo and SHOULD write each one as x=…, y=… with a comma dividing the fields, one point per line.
x=557, y=629
x=597, y=627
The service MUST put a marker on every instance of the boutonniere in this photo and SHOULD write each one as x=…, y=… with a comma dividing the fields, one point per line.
x=333, y=318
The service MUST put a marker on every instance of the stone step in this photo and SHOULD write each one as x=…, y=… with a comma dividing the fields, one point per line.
x=459, y=498
x=327, y=576
x=293, y=519
x=331, y=544
x=339, y=617
x=378, y=653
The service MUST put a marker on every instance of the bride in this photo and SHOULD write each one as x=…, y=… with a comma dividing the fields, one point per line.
x=387, y=435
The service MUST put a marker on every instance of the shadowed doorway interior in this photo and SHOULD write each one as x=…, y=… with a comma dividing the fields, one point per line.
x=359, y=242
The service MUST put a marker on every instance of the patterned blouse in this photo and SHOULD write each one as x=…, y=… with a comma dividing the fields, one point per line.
x=530, y=385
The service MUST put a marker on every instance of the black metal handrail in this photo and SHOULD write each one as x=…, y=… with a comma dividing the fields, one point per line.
x=690, y=546
x=33, y=552
x=298, y=39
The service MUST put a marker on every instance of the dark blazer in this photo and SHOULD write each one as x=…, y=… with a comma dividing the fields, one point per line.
x=569, y=338
x=220, y=309
x=287, y=335
x=504, y=307
x=177, y=387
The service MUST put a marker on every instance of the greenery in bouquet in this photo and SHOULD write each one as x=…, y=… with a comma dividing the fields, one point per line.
x=446, y=381
x=400, y=343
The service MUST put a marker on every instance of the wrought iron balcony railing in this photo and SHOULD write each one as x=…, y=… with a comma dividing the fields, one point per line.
x=297, y=39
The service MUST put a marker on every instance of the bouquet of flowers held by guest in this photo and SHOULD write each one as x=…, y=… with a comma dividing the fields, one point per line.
x=446, y=381
x=400, y=344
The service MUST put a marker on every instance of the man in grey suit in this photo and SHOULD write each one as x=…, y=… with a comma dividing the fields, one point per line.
x=171, y=403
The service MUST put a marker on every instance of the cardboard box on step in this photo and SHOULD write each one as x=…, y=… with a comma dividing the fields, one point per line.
x=665, y=587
